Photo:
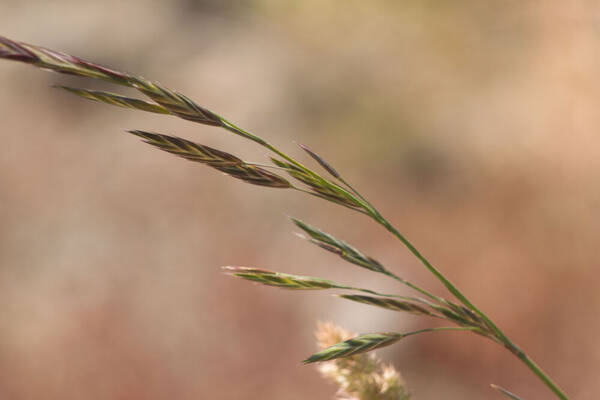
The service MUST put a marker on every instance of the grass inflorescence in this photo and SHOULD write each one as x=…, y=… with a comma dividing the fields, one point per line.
x=461, y=312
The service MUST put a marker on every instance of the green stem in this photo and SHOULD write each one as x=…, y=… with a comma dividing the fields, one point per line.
x=458, y=294
x=500, y=336
x=414, y=287
x=539, y=372
x=373, y=213
x=445, y=281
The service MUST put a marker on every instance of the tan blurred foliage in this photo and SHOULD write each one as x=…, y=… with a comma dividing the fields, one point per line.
x=473, y=125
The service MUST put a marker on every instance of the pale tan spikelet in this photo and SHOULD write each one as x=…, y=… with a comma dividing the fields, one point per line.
x=505, y=392
x=328, y=334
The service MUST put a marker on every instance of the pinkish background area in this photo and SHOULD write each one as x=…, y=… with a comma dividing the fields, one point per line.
x=473, y=126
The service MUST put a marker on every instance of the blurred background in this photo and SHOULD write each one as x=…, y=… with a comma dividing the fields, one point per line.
x=473, y=126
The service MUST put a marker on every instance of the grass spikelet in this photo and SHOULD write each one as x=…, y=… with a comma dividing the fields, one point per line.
x=359, y=377
x=463, y=316
x=214, y=158
x=172, y=101
x=389, y=304
x=321, y=162
x=505, y=392
x=279, y=279
x=175, y=102
x=343, y=249
x=322, y=187
x=298, y=282
x=116, y=100
x=57, y=61
x=356, y=345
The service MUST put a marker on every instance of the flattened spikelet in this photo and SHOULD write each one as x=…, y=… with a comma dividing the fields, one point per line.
x=505, y=392
x=320, y=160
x=214, y=158
x=343, y=249
x=278, y=279
x=357, y=345
x=58, y=62
x=116, y=100
x=319, y=185
x=388, y=303
x=176, y=103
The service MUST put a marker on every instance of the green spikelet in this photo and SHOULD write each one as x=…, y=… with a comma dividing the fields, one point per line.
x=322, y=187
x=388, y=303
x=176, y=103
x=116, y=100
x=357, y=345
x=343, y=249
x=286, y=281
